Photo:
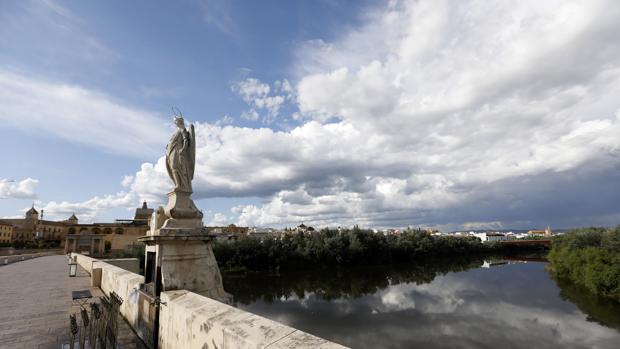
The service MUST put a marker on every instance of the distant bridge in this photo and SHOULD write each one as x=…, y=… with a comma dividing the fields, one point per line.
x=526, y=259
x=546, y=242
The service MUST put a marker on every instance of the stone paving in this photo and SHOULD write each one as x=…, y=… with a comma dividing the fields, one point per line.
x=35, y=303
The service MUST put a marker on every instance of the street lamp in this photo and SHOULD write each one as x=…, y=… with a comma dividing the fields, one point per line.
x=72, y=269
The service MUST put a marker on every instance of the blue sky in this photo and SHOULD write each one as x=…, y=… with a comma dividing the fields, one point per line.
x=151, y=55
x=453, y=115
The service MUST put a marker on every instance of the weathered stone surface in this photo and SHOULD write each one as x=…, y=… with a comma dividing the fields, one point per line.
x=191, y=265
x=189, y=320
x=303, y=340
x=181, y=211
x=115, y=279
x=129, y=264
x=35, y=303
x=5, y=260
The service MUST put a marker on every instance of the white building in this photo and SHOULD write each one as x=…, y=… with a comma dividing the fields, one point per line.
x=490, y=237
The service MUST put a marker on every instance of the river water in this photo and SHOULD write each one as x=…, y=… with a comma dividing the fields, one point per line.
x=464, y=304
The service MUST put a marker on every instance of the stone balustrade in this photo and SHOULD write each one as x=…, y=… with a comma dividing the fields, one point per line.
x=116, y=279
x=4, y=260
x=189, y=320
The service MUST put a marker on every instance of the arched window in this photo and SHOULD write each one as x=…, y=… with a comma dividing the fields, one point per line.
x=119, y=231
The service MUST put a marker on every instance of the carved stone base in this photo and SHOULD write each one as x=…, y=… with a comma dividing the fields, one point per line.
x=181, y=212
x=187, y=263
x=181, y=206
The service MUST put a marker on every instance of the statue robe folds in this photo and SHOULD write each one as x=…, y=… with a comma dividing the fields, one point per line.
x=181, y=212
x=181, y=159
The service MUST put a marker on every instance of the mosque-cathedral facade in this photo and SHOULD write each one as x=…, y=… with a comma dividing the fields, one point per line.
x=75, y=236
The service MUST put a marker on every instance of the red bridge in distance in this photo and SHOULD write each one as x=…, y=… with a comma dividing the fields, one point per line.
x=545, y=242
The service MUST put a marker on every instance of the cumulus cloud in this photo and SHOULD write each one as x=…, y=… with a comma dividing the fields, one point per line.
x=431, y=113
x=24, y=189
x=453, y=98
x=219, y=219
x=257, y=95
x=80, y=115
x=88, y=210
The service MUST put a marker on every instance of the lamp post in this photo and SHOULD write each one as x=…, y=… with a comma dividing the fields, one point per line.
x=72, y=269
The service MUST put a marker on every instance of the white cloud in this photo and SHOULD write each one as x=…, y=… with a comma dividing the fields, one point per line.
x=219, y=220
x=225, y=120
x=77, y=114
x=24, y=189
x=88, y=210
x=431, y=113
x=257, y=95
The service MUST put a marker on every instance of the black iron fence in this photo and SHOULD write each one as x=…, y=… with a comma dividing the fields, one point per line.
x=99, y=330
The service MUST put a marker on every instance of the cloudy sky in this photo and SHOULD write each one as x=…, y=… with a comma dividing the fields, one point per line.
x=457, y=115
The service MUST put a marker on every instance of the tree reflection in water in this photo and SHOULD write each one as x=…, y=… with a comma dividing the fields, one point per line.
x=439, y=303
x=599, y=309
x=330, y=284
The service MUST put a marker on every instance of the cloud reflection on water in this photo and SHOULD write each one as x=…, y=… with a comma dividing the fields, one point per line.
x=515, y=306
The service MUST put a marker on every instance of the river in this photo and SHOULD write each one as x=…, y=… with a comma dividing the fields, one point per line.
x=473, y=303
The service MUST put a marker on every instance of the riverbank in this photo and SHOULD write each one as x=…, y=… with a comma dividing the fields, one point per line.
x=355, y=247
x=589, y=257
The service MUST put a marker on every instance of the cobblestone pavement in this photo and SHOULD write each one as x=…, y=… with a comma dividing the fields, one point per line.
x=35, y=303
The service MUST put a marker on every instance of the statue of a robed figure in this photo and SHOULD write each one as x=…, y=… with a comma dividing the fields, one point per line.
x=181, y=156
x=181, y=212
x=179, y=244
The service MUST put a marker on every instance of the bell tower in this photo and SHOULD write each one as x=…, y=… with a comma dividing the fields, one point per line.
x=32, y=216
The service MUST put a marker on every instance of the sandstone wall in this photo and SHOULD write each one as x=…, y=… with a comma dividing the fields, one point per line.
x=189, y=320
x=129, y=264
x=4, y=260
x=113, y=278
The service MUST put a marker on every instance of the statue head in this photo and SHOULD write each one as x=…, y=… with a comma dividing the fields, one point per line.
x=178, y=120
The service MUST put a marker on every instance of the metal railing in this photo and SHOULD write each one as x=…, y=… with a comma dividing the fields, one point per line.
x=99, y=330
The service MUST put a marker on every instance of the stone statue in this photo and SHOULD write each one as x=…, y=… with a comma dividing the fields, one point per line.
x=181, y=156
x=177, y=235
x=180, y=212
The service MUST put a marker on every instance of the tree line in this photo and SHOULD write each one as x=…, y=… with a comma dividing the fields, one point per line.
x=329, y=248
x=589, y=257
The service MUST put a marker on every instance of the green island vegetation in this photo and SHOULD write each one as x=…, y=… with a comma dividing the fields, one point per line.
x=589, y=257
x=331, y=248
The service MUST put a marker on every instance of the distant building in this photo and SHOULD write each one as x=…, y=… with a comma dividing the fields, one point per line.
x=142, y=213
x=490, y=237
x=6, y=232
x=120, y=233
x=302, y=228
x=229, y=232
x=547, y=232
x=261, y=233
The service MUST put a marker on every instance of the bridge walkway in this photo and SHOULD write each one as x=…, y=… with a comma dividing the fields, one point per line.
x=35, y=303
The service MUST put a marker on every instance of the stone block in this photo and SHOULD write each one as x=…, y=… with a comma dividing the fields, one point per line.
x=303, y=340
x=95, y=277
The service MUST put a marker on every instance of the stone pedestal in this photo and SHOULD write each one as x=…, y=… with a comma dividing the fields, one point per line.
x=181, y=212
x=186, y=262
